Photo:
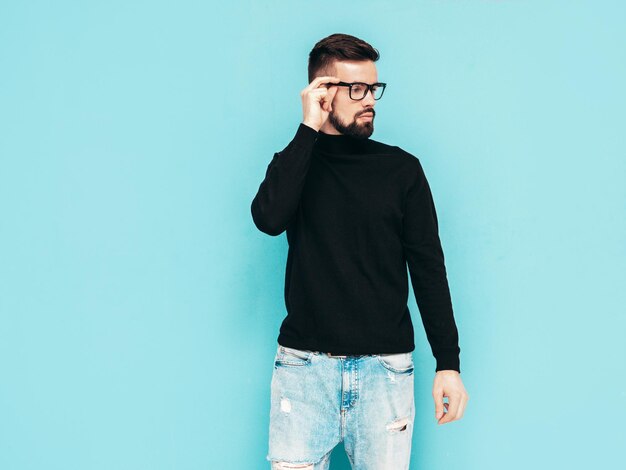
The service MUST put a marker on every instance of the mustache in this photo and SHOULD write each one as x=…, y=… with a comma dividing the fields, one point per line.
x=371, y=111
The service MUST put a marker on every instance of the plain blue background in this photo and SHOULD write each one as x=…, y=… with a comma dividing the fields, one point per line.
x=139, y=304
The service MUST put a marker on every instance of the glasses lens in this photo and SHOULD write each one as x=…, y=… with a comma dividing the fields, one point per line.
x=358, y=91
x=378, y=92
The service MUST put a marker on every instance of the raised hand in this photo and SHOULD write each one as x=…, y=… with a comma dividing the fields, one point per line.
x=317, y=100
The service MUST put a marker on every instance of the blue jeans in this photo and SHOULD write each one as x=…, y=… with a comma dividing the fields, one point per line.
x=318, y=400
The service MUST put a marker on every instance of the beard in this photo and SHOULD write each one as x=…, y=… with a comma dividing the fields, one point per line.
x=361, y=130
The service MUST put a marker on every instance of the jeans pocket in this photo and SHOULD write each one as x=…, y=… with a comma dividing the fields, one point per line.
x=400, y=363
x=292, y=357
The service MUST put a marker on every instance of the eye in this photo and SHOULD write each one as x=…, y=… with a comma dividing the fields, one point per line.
x=358, y=88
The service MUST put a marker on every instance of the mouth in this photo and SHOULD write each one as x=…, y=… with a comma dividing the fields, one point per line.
x=367, y=115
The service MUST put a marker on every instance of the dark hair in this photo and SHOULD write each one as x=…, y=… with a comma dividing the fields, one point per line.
x=338, y=47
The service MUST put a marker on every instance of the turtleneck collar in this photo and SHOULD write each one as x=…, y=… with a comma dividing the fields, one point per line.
x=341, y=144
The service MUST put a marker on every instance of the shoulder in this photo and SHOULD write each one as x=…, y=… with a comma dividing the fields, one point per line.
x=384, y=147
x=407, y=159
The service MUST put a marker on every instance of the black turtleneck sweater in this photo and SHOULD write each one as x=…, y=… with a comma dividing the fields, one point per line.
x=356, y=212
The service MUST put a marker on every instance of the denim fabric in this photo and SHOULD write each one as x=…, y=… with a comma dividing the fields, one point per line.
x=318, y=401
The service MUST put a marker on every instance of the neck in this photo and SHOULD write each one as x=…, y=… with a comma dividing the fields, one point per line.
x=341, y=143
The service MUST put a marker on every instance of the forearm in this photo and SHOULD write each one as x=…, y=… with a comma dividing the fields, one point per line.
x=432, y=294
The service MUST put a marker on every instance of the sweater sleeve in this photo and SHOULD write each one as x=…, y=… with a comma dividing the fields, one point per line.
x=425, y=258
x=279, y=193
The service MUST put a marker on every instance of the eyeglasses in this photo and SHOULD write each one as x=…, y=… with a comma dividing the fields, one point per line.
x=358, y=90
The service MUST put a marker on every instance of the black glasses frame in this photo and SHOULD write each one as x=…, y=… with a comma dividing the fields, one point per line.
x=370, y=88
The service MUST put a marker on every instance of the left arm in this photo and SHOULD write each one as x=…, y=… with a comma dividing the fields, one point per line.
x=425, y=258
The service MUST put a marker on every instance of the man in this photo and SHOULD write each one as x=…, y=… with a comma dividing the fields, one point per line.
x=356, y=212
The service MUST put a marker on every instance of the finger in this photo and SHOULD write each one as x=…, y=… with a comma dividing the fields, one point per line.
x=444, y=417
x=438, y=397
x=319, y=94
x=447, y=417
x=321, y=80
x=453, y=406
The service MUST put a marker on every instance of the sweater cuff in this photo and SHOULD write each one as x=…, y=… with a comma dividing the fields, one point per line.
x=448, y=362
x=306, y=135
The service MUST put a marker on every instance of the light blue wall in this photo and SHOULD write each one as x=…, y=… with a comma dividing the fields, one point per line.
x=139, y=305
